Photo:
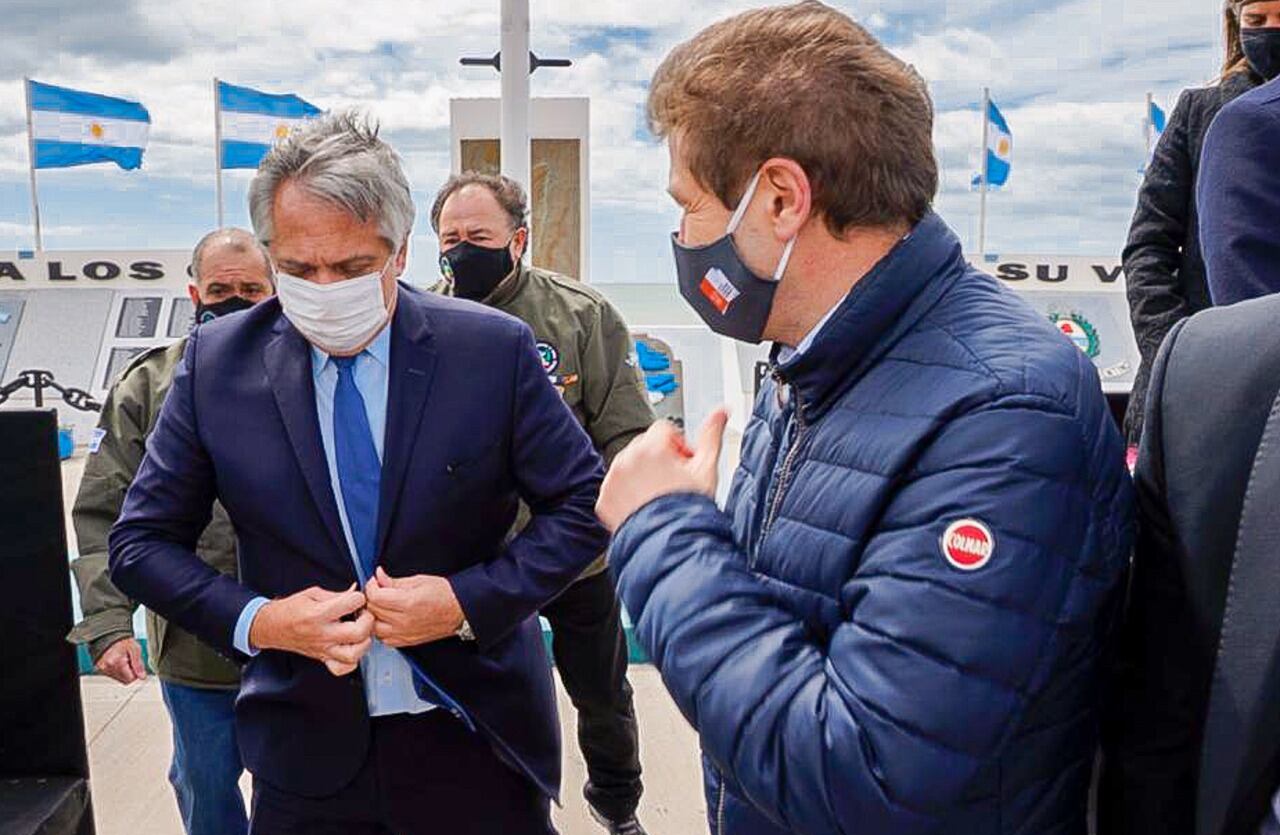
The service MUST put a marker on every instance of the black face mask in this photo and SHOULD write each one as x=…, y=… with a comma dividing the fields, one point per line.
x=209, y=312
x=1262, y=50
x=475, y=271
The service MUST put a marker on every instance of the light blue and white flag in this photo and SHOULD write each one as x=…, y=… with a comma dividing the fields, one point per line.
x=1157, y=118
x=999, y=149
x=72, y=127
x=252, y=122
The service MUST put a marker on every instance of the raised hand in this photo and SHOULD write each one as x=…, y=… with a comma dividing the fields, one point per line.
x=659, y=463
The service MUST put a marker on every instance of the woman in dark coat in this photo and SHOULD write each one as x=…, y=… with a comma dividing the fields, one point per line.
x=1162, y=263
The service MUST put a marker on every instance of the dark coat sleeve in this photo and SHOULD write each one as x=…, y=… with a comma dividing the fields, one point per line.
x=152, y=547
x=1239, y=199
x=1151, y=732
x=1153, y=254
x=558, y=475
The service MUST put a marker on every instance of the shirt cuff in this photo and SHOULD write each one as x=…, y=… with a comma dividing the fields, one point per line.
x=240, y=638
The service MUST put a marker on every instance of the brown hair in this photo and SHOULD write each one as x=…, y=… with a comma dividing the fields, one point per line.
x=1233, y=61
x=508, y=193
x=807, y=83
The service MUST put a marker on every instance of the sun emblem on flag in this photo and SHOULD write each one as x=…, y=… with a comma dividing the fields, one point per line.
x=96, y=130
x=1079, y=330
x=1004, y=146
x=282, y=131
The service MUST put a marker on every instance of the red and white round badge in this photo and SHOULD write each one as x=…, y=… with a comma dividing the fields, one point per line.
x=968, y=544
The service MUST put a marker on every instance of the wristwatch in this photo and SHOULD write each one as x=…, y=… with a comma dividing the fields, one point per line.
x=464, y=632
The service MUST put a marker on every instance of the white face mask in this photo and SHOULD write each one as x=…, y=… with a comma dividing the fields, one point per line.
x=337, y=318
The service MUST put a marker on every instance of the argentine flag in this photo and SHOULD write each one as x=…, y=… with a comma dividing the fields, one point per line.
x=71, y=127
x=1157, y=118
x=251, y=122
x=999, y=148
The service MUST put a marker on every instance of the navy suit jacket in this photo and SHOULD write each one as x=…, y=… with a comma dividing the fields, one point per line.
x=1238, y=197
x=473, y=425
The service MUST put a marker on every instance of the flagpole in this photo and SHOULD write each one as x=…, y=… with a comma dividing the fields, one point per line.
x=31, y=167
x=217, y=148
x=986, y=170
x=1147, y=125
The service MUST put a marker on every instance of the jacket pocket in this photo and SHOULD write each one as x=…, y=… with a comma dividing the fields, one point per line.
x=462, y=465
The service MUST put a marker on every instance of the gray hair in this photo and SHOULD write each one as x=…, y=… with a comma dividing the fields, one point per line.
x=234, y=239
x=338, y=158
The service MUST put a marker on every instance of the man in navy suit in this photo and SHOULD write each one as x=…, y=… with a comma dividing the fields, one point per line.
x=1238, y=197
x=370, y=444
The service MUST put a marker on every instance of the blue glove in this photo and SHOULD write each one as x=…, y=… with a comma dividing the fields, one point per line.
x=662, y=383
x=651, y=360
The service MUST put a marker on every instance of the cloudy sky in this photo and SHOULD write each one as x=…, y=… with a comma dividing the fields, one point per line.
x=1070, y=75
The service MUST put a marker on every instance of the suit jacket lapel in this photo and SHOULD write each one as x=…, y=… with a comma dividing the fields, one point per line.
x=412, y=368
x=288, y=361
x=1242, y=729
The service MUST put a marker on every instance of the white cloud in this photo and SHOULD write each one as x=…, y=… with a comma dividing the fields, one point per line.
x=1070, y=74
x=10, y=229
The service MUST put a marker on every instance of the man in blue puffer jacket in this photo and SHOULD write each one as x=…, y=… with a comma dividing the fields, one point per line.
x=896, y=625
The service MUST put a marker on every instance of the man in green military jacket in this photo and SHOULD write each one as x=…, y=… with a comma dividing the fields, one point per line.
x=231, y=272
x=587, y=353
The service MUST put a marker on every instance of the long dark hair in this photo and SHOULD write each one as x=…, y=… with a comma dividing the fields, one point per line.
x=1234, y=62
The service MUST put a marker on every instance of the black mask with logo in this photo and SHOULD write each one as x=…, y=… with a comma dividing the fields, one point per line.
x=1262, y=50
x=476, y=271
x=232, y=304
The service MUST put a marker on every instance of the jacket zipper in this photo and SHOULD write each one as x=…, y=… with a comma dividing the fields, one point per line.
x=784, y=475
x=720, y=809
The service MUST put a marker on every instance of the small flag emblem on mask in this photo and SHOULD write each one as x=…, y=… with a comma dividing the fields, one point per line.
x=718, y=289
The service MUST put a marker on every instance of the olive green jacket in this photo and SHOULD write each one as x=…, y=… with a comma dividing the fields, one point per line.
x=588, y=355
x=128, y=416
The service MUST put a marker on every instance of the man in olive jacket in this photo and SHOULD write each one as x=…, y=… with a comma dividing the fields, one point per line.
x=199, y=686
x=587, y=353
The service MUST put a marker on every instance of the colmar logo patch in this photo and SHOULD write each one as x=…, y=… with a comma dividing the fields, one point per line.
x=718, y=289
x=968, y=544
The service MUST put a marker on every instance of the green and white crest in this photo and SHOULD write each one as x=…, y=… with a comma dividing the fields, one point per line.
x=1079, y=330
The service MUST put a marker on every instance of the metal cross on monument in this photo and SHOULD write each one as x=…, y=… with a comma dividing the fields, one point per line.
x=514, y=132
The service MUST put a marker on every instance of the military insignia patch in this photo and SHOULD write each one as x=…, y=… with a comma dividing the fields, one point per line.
x=1079, y=330
x=550, y=357
x=561, y=382
x=95, y=440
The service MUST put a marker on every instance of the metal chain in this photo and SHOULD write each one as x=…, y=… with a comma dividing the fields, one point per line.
x=39, y=380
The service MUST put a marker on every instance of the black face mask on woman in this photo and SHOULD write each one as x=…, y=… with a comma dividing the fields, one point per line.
x=1262, y=50
x=475, y=271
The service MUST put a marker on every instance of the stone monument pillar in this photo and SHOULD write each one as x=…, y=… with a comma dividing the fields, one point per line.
x=559, y=195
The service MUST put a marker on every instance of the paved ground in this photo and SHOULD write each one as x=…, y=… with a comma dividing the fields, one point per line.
x=129, y=749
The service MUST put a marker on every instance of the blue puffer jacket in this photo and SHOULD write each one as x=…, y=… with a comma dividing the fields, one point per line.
x=896, y=625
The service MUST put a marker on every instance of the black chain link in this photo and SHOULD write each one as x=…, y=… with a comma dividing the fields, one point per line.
x=39, y=380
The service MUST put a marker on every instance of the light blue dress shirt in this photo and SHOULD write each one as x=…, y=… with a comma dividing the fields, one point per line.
x=388, y=678
x=786, y=352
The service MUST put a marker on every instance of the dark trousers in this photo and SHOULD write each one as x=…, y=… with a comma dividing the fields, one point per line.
x=425, y=775
x=590, y=651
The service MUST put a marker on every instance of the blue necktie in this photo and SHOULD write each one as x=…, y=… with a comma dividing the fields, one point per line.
x=359, y=470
